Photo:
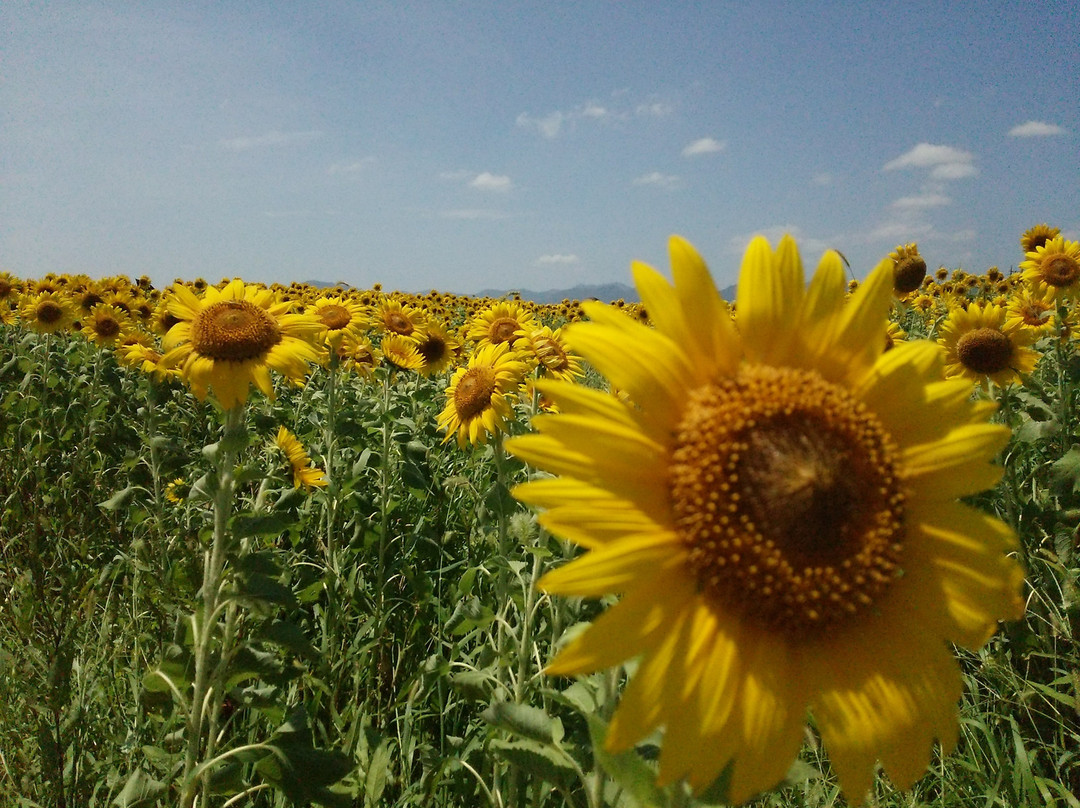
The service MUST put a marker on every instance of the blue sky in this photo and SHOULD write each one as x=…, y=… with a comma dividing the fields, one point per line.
x=469, y=145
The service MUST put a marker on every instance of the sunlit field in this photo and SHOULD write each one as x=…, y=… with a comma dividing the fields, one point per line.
x=268, y=546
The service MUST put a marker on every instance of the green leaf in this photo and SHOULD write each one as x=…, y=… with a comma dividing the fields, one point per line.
x=140, y=790
x=545, y=762
x=1065, y=472
x=120, y=499
x=524, y=720
x=471, y=614
x=264, y=589
x=377, y=771
x=287, y=635
x=300, y=771
x=262, y=524
x=627, y=769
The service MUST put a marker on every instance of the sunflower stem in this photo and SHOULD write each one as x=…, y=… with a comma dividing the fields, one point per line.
x=201, y=714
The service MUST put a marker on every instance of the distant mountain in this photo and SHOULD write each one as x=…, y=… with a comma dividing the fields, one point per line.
x=602, y=291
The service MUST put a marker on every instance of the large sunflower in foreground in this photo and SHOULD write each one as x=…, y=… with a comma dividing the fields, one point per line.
x=234, y=337
x=777, y=507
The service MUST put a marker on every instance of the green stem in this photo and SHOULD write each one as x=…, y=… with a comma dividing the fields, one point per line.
x=205, y=617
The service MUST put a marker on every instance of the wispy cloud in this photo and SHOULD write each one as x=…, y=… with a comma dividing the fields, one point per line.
x=474, y=214
x=619, y=109
x=555, y=259
x=486, y=181
x=1036, y=129
x=807, y=246
x=944, y=162
x=823, y=179
x=272, y=138
x=354, y=167
x=657, y=179
x=705, y=145
x=922, y=201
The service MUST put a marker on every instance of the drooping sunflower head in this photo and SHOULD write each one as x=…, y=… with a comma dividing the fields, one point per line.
x=502, y=322
x=233, y=337
x=305, y=476
x=1036, y=236
x=774, y=502
x=480, y=395
x=358, y=356
x=1033, y=309
x=909, y=269
x=1056, y=265
x=981, y=345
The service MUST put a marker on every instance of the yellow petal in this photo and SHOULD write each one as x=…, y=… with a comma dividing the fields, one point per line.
x=616, y=567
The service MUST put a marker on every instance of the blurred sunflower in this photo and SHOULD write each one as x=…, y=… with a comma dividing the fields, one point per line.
x=893, y=334
x=503, y=322
x=909, y=269
x=358, y=355
x=233, y=337
x=177, y=491
x=980, y=344
x=1055, y=264
x=778, y=510
x=480, y=395
x=47, y=312
x=305, y=475
x=1036, y=236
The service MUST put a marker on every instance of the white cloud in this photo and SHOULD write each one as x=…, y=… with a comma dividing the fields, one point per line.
x=654, y=109
x=549, y=126
x=922, y=201
x=807, y=246
x=592, y=110
x=823, y=179
x=1036, y=129
x=473, y=214
x=944, y=162
x=272, y=138
x=557, y=258
x=486, y=181
x=668, y=181
x=705, y=145
x=350, y=168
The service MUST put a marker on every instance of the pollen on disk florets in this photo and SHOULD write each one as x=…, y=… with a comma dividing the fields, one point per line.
x=786, y=492
x=985, y=350
x=474, y=390
x=234, y=330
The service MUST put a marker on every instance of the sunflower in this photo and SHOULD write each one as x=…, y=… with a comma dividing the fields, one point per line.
x=893, y=335
x=778, y=509
x=502, y=322
x=177, y=491
x=304, y=474
x=358, y=355
x=401, y=352
x=438, y=347
x=1055, y=264
x=479, y=396
x=47, y=312
x=1032, y=309
x=552, y=356
x=235, y=336
x=105, y=325
x=1036, y=236
x=340, y=317
x=909, y=269
x=393, y=317
x=980, y=345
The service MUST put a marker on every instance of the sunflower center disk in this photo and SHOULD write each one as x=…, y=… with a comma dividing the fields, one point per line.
x=550, y=354
x=908, y=274
x=786, y=493
x=49, y=312
x=335, y=317
x=503, y=330
x=234, y=331
x=985, y=350
x=399, y=324
x=1061, y=270
x=473, y=392
x=107, y=327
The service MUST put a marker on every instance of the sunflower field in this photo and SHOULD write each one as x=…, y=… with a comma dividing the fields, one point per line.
x=815, y=545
